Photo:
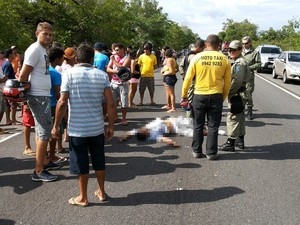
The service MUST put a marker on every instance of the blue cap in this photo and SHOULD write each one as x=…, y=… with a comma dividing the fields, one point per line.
x=98, y=46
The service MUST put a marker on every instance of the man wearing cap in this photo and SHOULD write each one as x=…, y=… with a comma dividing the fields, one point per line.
x=211, y=71
x=147, y=62
x=253, y=59
x=239, y=76
x=194, y=49
x=69, y=60
x=100, y=60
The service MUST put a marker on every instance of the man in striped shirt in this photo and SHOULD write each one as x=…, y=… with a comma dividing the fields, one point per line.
x=85, y=88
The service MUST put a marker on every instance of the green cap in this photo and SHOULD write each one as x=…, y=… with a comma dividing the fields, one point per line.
x=235, y=44
x=246, y=39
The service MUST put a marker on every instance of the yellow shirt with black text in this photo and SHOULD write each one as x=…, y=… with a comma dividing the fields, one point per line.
x=212, y=72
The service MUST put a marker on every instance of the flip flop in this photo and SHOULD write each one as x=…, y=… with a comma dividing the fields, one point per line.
x=102, y=200
x=72, y=201
x=166, y=107
x=171, y=110
x=140, y=104
x=29, y=152
x=3, y=132
x=153, y=104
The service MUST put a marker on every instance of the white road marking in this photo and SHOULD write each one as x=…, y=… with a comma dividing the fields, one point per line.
x=281, y=88
x=10, y=136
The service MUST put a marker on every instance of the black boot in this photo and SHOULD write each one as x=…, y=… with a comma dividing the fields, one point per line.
x=229, y=145
x=239, y=142
x=250, y=113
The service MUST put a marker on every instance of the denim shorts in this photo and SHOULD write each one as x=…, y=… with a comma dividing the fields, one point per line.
x=170, y=80
x=80, y=148
x=41, y=111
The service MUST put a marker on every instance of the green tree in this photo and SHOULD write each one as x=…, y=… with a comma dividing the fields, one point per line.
x=13, y=29
x=237, y=30
x=130, y=22
x=288, y=37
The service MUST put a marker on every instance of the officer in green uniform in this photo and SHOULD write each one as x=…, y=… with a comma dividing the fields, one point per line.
x=253, y=59
x=240, y=74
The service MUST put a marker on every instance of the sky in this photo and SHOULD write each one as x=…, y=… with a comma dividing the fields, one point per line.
x=206, y=17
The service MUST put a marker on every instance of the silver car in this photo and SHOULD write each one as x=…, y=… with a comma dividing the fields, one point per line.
x=287, y=66
x=267, y=55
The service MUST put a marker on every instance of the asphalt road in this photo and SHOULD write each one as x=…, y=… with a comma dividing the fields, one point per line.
x=152, y=184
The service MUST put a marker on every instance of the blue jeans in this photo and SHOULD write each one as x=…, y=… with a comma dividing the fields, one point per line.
x=207, y=107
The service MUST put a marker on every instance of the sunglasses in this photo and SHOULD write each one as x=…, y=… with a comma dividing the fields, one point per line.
x=246, y=43
x=232, y=50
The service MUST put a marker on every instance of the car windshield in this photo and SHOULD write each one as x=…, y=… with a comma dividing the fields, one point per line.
x=294, y=57
x=270, y=50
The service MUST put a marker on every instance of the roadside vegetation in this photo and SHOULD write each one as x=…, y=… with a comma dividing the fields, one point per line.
x=288, y=37
x=130, y=22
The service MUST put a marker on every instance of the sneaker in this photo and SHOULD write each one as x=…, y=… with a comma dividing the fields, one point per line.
x=43, y=176
x=52, y=166
x=212, y=157
x=198, y=155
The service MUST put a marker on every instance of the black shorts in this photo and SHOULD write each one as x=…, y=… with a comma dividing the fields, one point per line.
x=80, y=148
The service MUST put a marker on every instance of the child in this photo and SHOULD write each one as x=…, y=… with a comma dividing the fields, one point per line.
x=28, y=122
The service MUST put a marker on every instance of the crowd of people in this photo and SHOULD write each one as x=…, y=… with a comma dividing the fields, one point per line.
x=75, y=93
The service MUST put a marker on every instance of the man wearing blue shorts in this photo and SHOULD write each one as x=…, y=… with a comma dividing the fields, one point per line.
x=84, y=88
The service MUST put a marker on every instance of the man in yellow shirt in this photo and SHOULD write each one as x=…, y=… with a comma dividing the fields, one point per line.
x=147, y=62
x=212, y=72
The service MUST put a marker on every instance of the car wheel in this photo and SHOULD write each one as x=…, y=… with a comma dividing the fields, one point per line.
x=274, y=75
x=285, y=79
x=259, y=70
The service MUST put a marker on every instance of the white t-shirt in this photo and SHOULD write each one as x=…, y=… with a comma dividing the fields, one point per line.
x=36, y=56
x=157, y=128
x=63, y=67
